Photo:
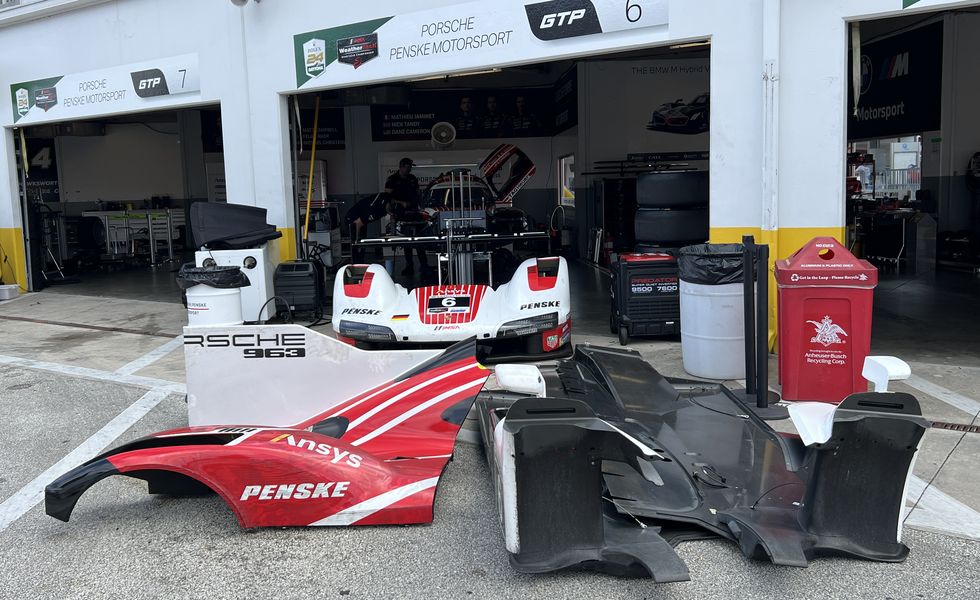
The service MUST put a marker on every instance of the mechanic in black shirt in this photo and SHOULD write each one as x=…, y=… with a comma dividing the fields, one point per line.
x=403, y=188
x=366, y=210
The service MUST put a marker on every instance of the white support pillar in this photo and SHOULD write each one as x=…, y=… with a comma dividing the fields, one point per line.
x=770, y=116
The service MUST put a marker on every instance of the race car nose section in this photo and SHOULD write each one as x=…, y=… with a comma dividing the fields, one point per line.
x=61, y=495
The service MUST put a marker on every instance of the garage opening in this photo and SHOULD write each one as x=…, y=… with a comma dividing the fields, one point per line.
x=602, y=155
x=106, y=200
x=913, y=174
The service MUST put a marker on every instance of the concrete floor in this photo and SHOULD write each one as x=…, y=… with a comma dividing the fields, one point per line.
x=81, y=372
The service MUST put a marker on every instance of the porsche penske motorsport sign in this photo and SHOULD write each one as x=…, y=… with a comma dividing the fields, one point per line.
x=468, y=36
x=139, y=86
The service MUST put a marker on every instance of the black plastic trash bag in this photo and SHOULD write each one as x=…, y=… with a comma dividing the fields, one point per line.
x=216, y=277
x=710, y=264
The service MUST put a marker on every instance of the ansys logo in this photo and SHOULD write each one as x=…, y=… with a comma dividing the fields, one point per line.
x=559, y=19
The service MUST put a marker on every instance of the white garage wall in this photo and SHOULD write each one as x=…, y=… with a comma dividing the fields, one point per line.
x=246, y=63
x=813, y=93
x=106, y=34
x=107, y=167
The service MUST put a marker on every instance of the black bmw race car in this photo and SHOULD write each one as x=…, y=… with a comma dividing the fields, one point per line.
x=678, y=117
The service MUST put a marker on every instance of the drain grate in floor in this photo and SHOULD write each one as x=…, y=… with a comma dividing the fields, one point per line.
x=956, y=427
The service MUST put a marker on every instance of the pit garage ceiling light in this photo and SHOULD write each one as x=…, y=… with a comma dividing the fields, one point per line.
x=687, y=45
x=463, y=74
x=243, y=2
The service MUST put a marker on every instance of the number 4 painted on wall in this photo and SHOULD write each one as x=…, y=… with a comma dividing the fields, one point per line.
x=42, y=159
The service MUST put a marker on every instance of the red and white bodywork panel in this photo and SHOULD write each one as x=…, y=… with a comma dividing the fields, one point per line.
x=372, y=459
x=366, y=300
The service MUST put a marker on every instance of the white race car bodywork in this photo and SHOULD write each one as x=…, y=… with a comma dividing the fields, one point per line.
x=368, y=306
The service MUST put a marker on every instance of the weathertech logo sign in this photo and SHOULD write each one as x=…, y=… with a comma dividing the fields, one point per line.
x=357, y=50
x=560, y=19
x=46, y=97
x=296, y=491
x=150, y=83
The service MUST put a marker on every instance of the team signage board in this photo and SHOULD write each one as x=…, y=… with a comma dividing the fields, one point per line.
x=901, y=85
x=510, y=113
x=140, y=86
x=468, y=36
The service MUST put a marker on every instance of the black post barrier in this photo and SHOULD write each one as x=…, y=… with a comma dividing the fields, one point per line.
x=748, y=307
x=755, y=269
x=762, y=325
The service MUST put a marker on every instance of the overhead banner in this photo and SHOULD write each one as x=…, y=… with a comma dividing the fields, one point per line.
x=564, y=98
x=140, y=86
x=510, y=113
x=468, y=36
x=667, y=112
x=330, y=129
x=901, y=85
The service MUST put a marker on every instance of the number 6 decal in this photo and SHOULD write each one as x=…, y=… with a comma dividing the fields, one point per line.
x=449, y=302
x=633, y=15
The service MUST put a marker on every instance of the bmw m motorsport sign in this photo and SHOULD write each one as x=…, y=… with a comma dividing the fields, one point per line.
x=473, y=35
x=125, y=88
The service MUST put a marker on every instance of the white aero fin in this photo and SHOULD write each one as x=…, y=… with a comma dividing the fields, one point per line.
x=879, y=370
x=646, y=450
x=523, y=379
x=507, y=492
x=814, y=421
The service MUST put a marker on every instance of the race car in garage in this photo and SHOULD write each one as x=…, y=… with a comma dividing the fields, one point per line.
x=374, y=458
x=474, y=196
x=678, y=117
x=525, y=318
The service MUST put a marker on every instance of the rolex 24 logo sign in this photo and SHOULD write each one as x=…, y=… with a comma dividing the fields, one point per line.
x=23, y=101
x=558, y=19
x=357, y=50
x=149, y=83
x=314, y=53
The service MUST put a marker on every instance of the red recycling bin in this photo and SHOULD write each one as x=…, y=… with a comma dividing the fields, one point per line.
x=825, y=301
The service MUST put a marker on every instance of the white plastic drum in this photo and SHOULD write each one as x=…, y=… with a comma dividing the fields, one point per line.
x=213, y=307
x=712, y=330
